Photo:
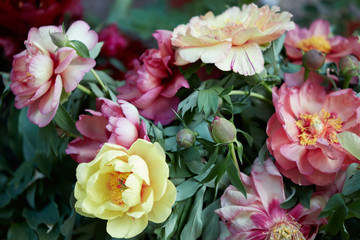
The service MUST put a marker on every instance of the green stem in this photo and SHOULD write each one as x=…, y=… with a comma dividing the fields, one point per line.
x=306, y=73
x=99, y=81
x=84, y=89
x=347, y=81
x=252, y=94
x=233, y=155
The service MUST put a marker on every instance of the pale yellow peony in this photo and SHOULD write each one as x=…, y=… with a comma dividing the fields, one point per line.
x=126, y=187
x=231, y=40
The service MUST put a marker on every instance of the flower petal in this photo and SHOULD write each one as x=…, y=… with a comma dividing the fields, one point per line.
x=126, y=226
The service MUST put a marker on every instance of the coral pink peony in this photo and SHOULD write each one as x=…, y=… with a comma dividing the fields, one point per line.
x=303, y=131
x=152, y=84
x=318, y=37
x=40, y=73
x=116, y=123
x=231, y=40
x=260, y=217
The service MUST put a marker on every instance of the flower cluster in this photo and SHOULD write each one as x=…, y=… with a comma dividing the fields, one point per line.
x=240, y=125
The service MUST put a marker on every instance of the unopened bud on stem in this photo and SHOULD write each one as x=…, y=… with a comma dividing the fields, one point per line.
x=313, y=59
x=185, y=138
x=222, y=130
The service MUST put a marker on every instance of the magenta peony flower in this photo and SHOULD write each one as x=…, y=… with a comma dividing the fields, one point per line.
x=260, y=217
x=152, y=84
x=116, y=123
x=303, y=131
x=17, y=17
x=40, y=73
x=318, y=37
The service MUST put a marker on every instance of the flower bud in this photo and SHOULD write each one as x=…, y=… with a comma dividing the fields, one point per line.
x=59, y=39
x=313, y=59
x=185, y=138
x=349, y=66
x=222, y=130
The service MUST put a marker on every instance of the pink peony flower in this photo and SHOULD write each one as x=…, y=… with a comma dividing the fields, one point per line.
x=118, y=46
x=259, y=216
x=116, y=123
x=231, y=40
x=152, y=84
x=40, y=73
x=318, y=37
x=303, y=131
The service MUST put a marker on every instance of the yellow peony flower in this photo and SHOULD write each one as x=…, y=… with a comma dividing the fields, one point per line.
x=126, y=187
x=232, y=39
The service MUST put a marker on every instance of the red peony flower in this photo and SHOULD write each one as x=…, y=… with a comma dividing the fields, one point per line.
x=152, y=84
x=17, y=17
x=303, y=131
x=116, y=123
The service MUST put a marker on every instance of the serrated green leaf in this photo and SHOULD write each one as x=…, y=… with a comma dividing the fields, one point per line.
x=188, y=103
x=208, y=100
x=351, y=142
x=235, y=178
x=80, y=48
x=63, y=119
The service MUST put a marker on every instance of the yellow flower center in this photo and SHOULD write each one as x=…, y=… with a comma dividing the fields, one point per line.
x=315, y=126
x=117, y=186
x=315, y=42
x=285, y=231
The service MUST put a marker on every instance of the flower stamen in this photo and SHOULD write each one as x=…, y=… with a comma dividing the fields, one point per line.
x=117, y=186
x=315, y=126
x=315, y=42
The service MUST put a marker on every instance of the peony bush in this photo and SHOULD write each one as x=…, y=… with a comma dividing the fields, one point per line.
x=212, y=120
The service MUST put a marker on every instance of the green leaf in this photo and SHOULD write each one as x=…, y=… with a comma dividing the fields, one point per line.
x=193, y=228
x=351, y=142
x=63, y=119
x=337, y=211
x=247, y=136
x=351, y=184
x=212, y=159
x=188, y=103
x=171, y=144
x=291, y=68
x=49, y=215
x=96, y=50
x=187, y=189
x=208, y=100
x=21, y=231
x=235, y=178
x=190, y=154
x=80, y=48
x=29, y=132
x=211, y=221
x=5, y=93
x=290, y=201
x=305, y=197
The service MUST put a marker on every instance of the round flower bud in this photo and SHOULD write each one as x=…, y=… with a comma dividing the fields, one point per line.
x=185, y=138
x=222, y=130
x=313, y=59
x=349, y=66
x=59, y=39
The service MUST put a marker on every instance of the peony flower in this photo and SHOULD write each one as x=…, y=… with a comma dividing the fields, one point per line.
x=303, y=131
x=152, y=84
x=231, y=40
x=116, y=123
x=259, y=216
x=127, y=188
x=120, y=47
x=17, y=17
x=40, y=73
x=318, y=37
